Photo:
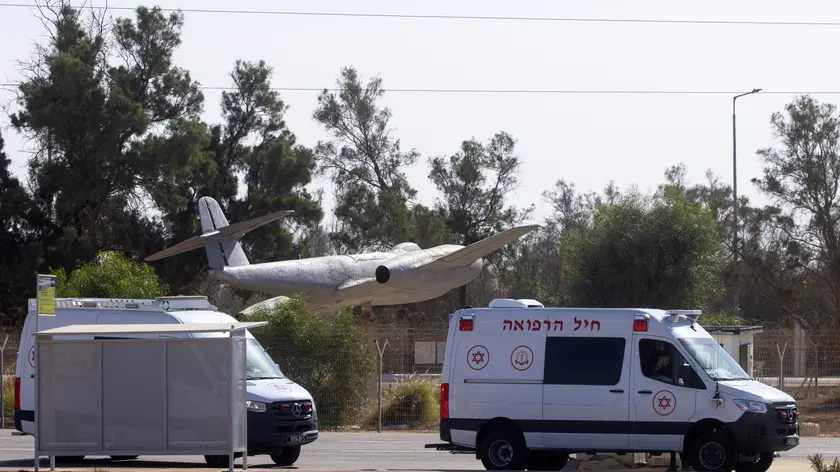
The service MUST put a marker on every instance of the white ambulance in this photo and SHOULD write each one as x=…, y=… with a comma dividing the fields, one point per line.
x=524, y=386
x=281, y=414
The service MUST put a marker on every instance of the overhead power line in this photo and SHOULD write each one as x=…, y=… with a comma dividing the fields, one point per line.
x=461, y=17
x=530, y=91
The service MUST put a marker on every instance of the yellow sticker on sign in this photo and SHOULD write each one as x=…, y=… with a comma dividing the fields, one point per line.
x=46, y=295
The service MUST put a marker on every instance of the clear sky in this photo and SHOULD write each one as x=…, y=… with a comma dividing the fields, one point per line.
x=588, y=139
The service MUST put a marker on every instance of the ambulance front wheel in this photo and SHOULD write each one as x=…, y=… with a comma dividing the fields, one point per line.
x=713, y=452
x=504, y=449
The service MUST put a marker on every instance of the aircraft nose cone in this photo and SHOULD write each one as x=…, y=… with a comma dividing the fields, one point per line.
x=383, y=274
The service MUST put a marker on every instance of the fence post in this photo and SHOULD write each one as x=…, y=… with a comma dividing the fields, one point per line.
x=781, y=364
x=3, y=383
x=381, y=354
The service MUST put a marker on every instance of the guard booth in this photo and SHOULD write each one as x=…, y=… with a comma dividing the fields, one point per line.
x=739, y=342
x=129, y=390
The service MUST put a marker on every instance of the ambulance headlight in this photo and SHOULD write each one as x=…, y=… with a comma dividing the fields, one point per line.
x=748, y=405
x=254, y=406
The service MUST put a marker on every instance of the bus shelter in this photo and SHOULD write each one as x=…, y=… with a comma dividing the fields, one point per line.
x=136, y=389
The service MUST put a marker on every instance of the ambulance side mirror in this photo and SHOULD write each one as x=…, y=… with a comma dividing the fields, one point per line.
x=686, y=376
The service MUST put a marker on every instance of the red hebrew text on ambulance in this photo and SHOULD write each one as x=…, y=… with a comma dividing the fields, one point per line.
x=548, y=325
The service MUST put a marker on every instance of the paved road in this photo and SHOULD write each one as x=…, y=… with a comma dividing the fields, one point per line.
x=393, y=451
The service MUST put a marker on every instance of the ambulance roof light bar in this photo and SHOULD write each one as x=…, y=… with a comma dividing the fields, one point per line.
x=690, y=314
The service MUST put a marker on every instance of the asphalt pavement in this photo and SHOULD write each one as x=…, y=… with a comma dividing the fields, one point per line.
x=341, y=451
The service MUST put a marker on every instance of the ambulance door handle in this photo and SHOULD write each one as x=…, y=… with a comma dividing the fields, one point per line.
x=616, y=390
x=646, y=392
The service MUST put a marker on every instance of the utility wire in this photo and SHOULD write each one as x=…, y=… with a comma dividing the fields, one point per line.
x=461, y=17
x=530, y=91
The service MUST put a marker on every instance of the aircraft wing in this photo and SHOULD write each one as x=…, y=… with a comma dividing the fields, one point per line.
x=466, y=256
x=353, y=290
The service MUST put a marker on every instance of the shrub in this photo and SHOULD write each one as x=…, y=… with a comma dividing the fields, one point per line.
x=819, y=465
x=327, y=354
x=831, y=400
x=721, y=319
x=110, y=275
x=9, y=398
x=414, y=402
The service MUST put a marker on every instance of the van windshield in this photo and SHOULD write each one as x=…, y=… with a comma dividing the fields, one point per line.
x=258, y=364
x=714, y=359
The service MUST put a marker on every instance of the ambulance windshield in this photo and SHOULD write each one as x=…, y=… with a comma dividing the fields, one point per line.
x=714, y=359
x=258, y=364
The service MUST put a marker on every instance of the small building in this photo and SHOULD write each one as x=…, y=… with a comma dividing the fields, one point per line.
x=739, y=342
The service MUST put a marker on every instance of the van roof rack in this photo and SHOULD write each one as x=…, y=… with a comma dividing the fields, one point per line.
x=168, y=303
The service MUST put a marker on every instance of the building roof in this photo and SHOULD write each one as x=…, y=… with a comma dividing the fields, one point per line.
x=734, y=329
x=103, y=329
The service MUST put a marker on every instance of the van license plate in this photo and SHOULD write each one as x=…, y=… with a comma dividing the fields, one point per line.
x=295, y=439
x=791, y=441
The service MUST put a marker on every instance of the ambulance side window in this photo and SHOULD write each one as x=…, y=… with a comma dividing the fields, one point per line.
x=661, y=361
x=583, y=361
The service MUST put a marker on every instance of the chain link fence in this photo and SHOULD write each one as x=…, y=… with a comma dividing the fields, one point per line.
x=805, y=363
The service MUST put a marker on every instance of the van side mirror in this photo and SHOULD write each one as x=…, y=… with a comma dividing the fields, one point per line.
x=686, y=376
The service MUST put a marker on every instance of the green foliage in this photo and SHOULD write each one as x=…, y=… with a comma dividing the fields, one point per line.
x=327, y=354
x=651, y=252
x=9, y=398
x=368, y=169
x=819, y=465
x=110, y=275
x=414, y=401
x=831, y=400
x=721, y=319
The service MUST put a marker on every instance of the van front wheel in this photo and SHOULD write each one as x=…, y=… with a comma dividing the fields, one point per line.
x=713, y=452
x=504, y=449
x=288, y=456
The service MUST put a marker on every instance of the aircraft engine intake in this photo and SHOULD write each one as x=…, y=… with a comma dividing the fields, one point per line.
x=386, y=275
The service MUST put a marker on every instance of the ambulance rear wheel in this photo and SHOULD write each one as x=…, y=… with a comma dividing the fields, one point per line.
x=713, y=452
x=504, y=449
x=765, y=460
x=543, y=460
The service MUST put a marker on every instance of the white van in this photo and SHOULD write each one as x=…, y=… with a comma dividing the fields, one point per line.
x=281, y=414
x=524, y=386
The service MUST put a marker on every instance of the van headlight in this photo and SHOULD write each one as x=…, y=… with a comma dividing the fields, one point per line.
x=251, y=405
x=749, y=405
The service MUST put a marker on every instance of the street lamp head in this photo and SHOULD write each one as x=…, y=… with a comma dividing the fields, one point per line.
x=756, y=90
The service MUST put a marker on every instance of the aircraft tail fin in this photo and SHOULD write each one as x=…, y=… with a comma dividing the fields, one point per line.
x=221, y=251
x=219, y=238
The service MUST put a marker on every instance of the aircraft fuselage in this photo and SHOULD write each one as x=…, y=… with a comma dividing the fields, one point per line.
x=317, y=279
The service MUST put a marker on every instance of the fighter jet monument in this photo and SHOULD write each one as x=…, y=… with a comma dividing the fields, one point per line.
x=404, y=274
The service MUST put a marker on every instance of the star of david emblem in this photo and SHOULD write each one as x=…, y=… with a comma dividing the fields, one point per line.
x=664, y=403
x=478, y=357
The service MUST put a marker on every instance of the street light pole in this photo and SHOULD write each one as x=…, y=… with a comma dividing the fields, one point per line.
x=735, y=201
